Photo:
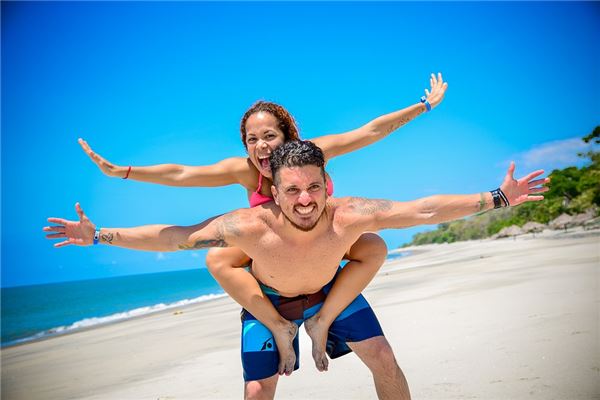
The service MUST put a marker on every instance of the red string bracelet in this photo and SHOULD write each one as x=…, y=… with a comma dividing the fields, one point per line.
x=127, y=174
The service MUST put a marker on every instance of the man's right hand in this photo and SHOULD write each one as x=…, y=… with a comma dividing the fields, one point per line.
x=105, y=166
x=79, y=233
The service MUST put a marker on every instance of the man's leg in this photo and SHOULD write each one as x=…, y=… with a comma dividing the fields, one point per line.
x=365, y=257
x=263, y=389
x=223, y=265
x=378, y=356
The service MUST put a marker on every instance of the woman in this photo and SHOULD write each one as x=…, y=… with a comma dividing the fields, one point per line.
x=264, y=127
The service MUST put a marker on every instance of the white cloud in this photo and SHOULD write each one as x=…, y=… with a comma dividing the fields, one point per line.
x=195, y=255
x=160, y=256
x=553, y=155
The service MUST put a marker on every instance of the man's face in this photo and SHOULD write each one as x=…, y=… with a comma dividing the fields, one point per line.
x=301, y=194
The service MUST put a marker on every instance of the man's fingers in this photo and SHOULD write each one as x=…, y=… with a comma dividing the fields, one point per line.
x=65, y=243
x=79, y=211
x=433, y=80
x=426, y=93
x=56, y=235
x=56, y=228
x=539, y=190
x=511, y=170
x=59, y=221
x=533, y=175
x=535, y=198
x=538, y=182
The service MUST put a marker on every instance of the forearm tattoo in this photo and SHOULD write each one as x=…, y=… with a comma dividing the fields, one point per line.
x=403, y=121
x=364, y=206
x=107, y=237
x=481, y=202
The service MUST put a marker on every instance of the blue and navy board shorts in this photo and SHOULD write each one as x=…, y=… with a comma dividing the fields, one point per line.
x=260, y=358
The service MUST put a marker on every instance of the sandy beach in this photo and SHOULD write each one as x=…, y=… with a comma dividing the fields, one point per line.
x=490, y=319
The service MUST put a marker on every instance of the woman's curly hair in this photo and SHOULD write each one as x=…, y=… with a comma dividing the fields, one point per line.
x=287, y=124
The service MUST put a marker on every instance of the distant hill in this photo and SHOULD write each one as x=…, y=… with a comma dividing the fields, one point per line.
x=572, y=191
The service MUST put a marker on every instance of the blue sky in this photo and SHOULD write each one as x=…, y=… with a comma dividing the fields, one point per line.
x=148, y=83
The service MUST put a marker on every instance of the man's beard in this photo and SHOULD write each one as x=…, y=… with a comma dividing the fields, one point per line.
x=303, y=228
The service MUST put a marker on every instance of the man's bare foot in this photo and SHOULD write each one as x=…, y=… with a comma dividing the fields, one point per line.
x=318, y=334
x=284, y=338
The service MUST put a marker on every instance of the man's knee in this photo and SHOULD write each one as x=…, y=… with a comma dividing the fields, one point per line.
x=263, y=389
x=378, y=355
x=384, y=353
x=372, y=246
x=214, y=261
x=222, y=260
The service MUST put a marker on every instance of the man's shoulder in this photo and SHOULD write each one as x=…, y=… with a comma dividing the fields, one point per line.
x=244, y=221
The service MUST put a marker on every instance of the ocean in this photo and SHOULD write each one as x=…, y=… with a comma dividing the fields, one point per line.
x=38, y=311
x=33, y=312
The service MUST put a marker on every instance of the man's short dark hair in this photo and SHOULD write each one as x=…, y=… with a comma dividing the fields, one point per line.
x=296, y=153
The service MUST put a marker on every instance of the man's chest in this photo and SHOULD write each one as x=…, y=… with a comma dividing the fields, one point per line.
x=282, y=259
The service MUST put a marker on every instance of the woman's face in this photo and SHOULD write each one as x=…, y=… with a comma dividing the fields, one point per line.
x=262, y=137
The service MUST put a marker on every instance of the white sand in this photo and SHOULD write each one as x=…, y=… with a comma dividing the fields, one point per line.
x=505, y=319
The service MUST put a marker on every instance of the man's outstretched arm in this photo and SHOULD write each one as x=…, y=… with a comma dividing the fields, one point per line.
x=214, y=232
x=385, y=214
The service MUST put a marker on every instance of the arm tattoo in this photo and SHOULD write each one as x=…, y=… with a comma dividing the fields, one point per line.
x=217, y=241
x=204, y=244
x=229, y=224
x=364, y=206
x=481, y=202
x=107, y=237
x=403, y=121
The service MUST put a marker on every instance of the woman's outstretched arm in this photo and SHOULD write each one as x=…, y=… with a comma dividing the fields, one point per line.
x=225, y=172
x=377, y=129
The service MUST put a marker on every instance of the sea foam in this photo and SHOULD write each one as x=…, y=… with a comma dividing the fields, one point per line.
x=97, y=321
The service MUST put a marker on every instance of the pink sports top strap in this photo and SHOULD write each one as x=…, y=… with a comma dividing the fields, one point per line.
x=259, y=183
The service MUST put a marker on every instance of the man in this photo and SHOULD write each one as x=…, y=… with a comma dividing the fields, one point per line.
x=296, y=245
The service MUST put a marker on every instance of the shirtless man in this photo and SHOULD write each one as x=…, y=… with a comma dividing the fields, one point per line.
x=296, y=244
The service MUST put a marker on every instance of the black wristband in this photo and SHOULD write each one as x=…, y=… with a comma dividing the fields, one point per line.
x=496, y=198
x=504, y=198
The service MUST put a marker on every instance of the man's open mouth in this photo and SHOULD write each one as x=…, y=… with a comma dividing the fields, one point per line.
x=304, y=210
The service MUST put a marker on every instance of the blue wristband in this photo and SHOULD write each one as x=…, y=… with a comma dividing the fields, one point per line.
x=427, y=105
x=97, y=235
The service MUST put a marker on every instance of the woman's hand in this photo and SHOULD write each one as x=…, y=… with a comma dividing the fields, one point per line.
x=438, y=89
x=105, y=166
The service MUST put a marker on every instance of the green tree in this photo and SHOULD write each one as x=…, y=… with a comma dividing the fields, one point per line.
x=572, y=190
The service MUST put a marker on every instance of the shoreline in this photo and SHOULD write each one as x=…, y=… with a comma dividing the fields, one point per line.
x=173, y=310
x=483, y=319
x=46, y=335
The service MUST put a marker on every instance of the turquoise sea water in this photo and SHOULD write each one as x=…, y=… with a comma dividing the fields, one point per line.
x=31, y=312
